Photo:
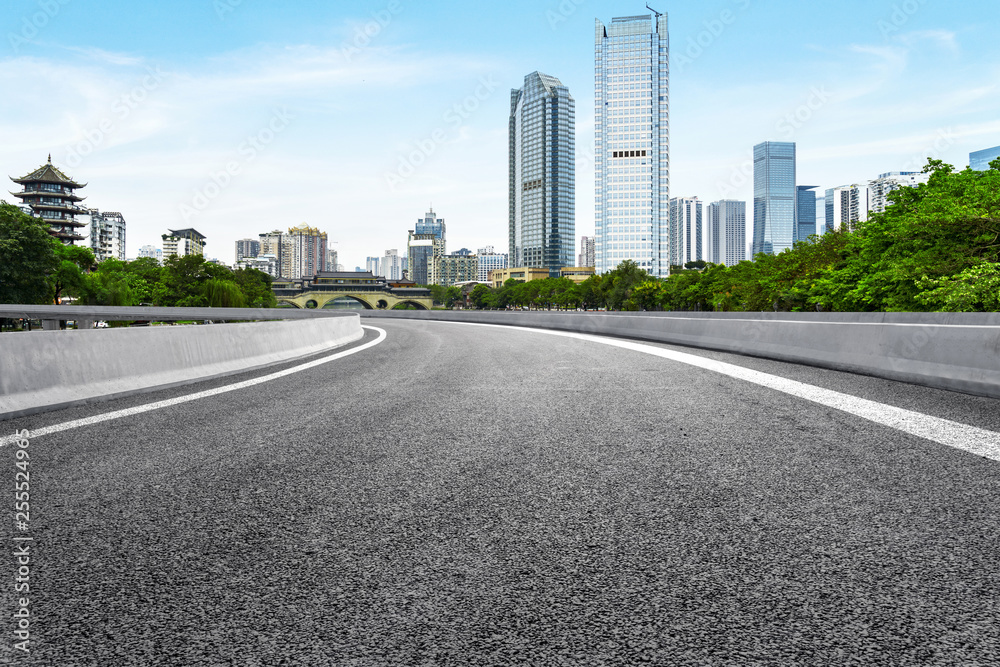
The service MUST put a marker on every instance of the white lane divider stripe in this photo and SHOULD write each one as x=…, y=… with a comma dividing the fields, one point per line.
x=953, y=434
x=149, y=407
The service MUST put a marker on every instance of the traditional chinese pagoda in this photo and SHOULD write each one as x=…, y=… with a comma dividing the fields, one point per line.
x=50, y=195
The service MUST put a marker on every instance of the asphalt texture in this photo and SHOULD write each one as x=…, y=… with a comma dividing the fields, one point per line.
x=463, y=495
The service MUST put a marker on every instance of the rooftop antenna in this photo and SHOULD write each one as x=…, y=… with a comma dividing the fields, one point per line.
x=658, y=14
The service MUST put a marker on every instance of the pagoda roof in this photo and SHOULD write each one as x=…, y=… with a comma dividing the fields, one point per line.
x=48, y=173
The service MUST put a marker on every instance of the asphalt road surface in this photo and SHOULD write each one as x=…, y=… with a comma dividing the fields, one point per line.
x=463, y=495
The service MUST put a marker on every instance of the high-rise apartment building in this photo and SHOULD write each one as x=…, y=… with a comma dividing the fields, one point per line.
x=632, y=143
x=980, y=160
x=331, y=260
x=726, y=221
x=182, y=242
x=805, y=211
x=105, y=233
x=246, y=249
x=446, y=270
x=847, y=205
x=542, y=160
x=392, y=268
x=587, y=252
x=488, y=260
x=309, y=251
x=880, y=188
x=373, y=266
x=773, y=197
x=687, y=231
x=152, y=252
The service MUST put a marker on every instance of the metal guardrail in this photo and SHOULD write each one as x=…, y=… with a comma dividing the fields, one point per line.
x=149, y=314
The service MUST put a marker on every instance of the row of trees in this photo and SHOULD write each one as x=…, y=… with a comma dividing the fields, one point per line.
x=36, y=268
x=937, y=248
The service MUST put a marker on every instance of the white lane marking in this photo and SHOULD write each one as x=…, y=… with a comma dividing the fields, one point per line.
x=149, y=407
x=953, y=434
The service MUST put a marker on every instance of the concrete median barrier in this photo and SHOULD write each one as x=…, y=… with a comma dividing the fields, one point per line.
x=953, y=351
x=47, y=370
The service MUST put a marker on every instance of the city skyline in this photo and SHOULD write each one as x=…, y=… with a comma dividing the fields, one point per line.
x=215, y=110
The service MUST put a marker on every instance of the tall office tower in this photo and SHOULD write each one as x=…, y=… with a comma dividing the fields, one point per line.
x=687, y=231
x=587, y=248
x=392, y=268
x=726, y=221
x=980, y=160
x=805, y=211
x=542, y=189
x=373, y=266
x=181, y=242
x=421, y=250
x=847, y=205
x=308, y=250
x=632, y=144
x=488, y=261
x=430, y=224
x=821, y=215
x=247, y=249
x=773, y=197
x=894, y=180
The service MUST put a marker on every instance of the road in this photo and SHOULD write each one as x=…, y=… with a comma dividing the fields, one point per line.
x=467, y=495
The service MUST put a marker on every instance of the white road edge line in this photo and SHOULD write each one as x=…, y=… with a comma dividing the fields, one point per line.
x=149, y=407
x=943, y=431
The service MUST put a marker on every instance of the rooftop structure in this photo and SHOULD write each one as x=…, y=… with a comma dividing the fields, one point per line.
x=51, y=196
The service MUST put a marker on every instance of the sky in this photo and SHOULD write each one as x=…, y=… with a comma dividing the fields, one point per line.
x=239, y=117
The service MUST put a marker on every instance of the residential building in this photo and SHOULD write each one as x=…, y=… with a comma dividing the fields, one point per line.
x=105, y=233
x=632, y=147
x=488, y=260
x=280, y=246
x=308, y=250
x=183, y=242
x=331, y=261
x=152, y=252
x=805, y=211
x=773, y=197
x=446, y=270
x=391, y=266
x=246, y=249
x=587, y=248
x=372, y=265
x=980, y=160
x=846, y=205
x=687, y=231
x=266, y=263
x=880, y=188
x=523, y=273
x=542, y=160
x=51, y=195
x=726, y=221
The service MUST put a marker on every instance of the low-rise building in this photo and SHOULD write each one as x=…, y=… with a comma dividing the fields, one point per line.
x=500, y=276
x=183, y=242
x=577, y=274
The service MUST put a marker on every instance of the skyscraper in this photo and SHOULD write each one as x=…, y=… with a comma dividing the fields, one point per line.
x=846, y=205
x=894, y=180
x=434, y=226
x=773, y=197
x=805, y=211
x=687, y=231
x=373, y=265
x=246, y=249
x=726, y=221
x=587, y=255
x=631, y=147
x=542, y=157
x=980, y=160
x=488, y=261
x=392, y=268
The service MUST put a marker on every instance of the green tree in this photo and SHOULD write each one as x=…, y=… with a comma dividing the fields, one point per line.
x=69, y=278
x=27, y=258
x=481, y=297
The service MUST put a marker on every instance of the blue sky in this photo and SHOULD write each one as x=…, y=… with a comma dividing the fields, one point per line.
x=237, y=117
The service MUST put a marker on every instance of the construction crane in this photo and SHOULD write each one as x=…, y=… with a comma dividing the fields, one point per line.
x=658, y=14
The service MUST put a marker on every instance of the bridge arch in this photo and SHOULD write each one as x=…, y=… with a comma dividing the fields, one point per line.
x=332, y=303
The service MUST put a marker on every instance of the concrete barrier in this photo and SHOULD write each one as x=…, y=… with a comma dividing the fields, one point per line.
x=954, y=351
x=47, y=370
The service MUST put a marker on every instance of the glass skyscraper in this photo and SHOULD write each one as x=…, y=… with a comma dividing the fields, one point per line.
x=631, y=148
x=980, y=160
x=773, y=197
x=805, y=211
x=542, y=130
